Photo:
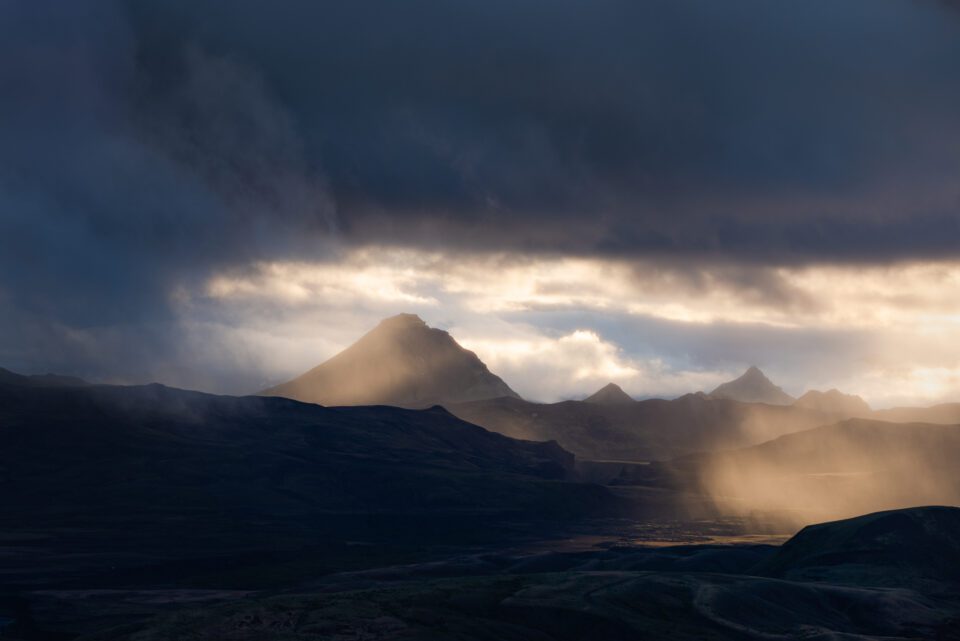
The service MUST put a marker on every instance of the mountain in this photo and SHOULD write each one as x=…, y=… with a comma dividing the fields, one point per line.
x=753, y=387
x=401, y=362
x=609, y=394
x=645, y=430
x=834, y=402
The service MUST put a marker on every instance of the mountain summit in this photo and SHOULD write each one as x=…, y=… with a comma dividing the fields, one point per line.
x=609, y=394
x=401, y=362
x=753, y=387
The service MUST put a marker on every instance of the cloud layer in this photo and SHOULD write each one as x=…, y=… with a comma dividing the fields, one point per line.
x=561, y=327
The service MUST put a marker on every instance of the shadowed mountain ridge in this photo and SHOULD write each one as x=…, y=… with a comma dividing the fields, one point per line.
x=653, y=429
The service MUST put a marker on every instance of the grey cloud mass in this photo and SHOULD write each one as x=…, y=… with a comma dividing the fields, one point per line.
x=755, y=129
x=147, y=145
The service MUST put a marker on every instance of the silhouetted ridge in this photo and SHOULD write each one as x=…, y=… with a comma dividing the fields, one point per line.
x=401, y=362
x=137, y=451
x=752, y=387
x=609, y=394
x=914, y=542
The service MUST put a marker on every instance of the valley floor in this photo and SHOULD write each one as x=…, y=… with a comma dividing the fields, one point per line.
x=605, y=579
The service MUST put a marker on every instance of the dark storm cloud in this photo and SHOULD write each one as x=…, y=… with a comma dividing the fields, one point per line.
x=147, y=144
x=115, y=191
x=754, y=129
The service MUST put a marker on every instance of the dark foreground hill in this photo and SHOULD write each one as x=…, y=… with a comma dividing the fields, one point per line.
x=893, y=547
x=401, y=362
x=111, y=482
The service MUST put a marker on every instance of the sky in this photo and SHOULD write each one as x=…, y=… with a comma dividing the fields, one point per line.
x=658, y=193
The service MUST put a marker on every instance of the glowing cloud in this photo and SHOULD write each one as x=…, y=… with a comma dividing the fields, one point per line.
x=905, y=317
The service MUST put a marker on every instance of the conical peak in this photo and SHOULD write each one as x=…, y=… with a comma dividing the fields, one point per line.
x=608, y=394
x=402, y=361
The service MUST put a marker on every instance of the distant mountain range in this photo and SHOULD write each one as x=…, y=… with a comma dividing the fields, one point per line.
x=401, y=362
x=640, y=430
x=610, y=425
x=405, y=363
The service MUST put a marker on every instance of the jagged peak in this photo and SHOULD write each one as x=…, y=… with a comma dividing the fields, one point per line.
x=753, y=386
